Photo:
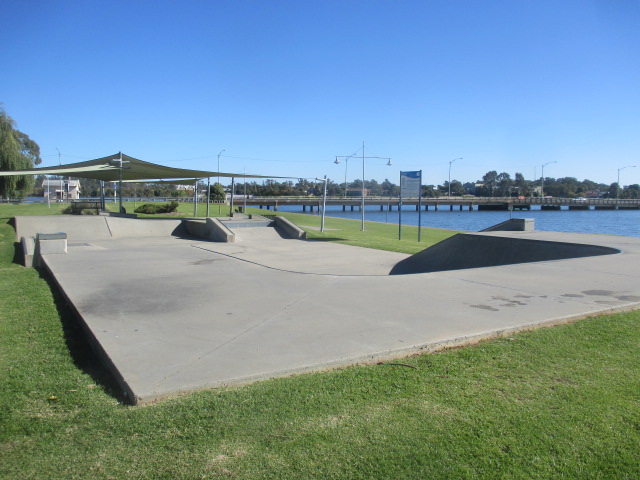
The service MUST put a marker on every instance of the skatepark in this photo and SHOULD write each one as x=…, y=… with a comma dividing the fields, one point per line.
x=173, y=306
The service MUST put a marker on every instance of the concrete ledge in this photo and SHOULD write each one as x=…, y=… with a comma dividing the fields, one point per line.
x=122, y=215
x=289, y=229
x=49, y=244
x=219, y=232
x=513, y=225
x=208, y=229
x=28, y=249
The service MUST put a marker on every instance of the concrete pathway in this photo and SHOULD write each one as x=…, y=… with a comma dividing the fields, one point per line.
x=171, y=314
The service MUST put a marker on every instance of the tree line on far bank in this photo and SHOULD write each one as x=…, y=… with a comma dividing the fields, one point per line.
x=18, y=152
x=491, y=185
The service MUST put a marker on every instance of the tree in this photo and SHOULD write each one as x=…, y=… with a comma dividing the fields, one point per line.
x=457, y=189
x=504, y=184
x=390, y=189
x=17, y=152
x=631, y=191
x=217, y=193
x=430, y=191
x=522, y=186
x=490, y=180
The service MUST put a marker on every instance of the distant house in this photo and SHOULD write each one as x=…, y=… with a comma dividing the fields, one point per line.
x=357, y=192
x=473, y=188
x=61, y=189
x=594, y=194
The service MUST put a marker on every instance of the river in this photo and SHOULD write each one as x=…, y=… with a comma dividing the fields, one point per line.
x=613, y=222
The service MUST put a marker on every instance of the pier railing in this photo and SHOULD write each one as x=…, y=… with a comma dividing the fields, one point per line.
x=469, y=202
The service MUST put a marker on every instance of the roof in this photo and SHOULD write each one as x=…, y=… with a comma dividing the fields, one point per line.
x=108, y=169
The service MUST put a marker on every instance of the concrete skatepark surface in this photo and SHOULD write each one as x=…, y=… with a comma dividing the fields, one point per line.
x=171, y=314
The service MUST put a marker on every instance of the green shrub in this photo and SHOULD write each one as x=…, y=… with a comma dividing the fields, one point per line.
x=81, y=208
x=154, y=208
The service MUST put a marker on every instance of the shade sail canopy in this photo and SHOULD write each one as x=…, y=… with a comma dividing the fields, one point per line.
x=108, y=169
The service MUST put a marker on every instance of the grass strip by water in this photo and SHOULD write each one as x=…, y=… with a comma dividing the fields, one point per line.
x=553, y=403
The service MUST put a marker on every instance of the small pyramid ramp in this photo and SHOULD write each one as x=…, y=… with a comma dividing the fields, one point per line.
x=476, y=250
x=258, y=228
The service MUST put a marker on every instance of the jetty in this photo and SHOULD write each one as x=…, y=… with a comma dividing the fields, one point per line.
x=439, y=203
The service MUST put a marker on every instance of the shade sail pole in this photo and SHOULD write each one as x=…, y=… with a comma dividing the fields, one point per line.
x=208, y=193
x=233, y=188
x=120, y=185
x=103, y=206
x=195, y=198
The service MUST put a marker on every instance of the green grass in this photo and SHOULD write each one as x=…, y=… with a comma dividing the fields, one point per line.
x=555, y=403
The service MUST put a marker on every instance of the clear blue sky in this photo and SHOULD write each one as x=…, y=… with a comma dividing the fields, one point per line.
x=285, y=86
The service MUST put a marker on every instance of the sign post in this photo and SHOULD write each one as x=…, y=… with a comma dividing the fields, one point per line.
x=410, y=186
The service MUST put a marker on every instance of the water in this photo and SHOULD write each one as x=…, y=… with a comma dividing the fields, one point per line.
x=613, y=222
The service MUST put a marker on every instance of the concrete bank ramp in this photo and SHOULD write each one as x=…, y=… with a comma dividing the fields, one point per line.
x=476, y=250
x=84, y=228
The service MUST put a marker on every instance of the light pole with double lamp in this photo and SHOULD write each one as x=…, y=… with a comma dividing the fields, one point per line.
x=363, y=189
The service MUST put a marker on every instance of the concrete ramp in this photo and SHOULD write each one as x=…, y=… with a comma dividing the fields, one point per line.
x=85, y=228
x=476, y=250
x=257, y=235
x=147, y=227
x=79, y=228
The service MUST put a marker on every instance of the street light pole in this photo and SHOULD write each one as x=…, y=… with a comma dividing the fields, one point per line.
x=61, y=177
x=324, y=200
x=618, y=184
x=460, y=158
x=542, y=179
x=346, y=163
x=219, y=165
x=346, y=157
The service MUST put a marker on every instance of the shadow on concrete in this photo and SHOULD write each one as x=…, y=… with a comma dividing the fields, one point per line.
x=83, y=356
x=464, y=251
x=327, y=239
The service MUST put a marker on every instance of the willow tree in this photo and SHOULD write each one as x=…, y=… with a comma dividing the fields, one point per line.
x=17, y=152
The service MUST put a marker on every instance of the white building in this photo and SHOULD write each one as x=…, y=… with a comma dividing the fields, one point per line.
x=61, y=189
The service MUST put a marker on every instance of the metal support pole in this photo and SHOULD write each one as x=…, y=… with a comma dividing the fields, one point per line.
x=420, y=209
x=120, y=183
x=324, y=201
x=362, y=207
x=400, y=215
x=195, y=198
x=103, y=205
x=208, y=193
x=233, y=189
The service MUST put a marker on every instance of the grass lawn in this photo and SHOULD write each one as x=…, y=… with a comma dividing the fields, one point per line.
x=562, y=402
